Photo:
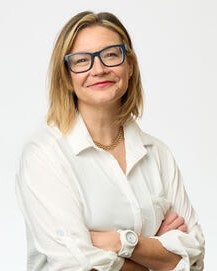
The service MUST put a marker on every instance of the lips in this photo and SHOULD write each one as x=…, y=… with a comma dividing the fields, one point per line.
x=102, y=83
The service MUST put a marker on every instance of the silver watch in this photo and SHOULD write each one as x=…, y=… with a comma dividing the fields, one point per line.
x=129, y=240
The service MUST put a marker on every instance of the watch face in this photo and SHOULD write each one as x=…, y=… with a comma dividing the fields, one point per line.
x=131, y=238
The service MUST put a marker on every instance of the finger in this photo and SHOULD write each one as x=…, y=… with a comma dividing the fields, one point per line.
x=170, y=217
x=183, y=228
x=178, y=222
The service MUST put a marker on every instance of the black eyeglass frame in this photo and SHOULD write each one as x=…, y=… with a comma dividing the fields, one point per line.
x=93, y=55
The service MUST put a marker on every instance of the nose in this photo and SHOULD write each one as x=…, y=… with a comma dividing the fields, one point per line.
x=98, y=67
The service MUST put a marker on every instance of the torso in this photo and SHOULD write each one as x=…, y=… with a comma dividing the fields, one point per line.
x=120, y=155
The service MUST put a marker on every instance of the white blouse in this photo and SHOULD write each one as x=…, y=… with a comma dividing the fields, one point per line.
x=67, y=186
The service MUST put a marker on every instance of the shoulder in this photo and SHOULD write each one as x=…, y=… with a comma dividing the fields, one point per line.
x=148, y=139
x=41, y=157
x=161, y=154
x=42, y=141
x=154, y=142
x=155, y=146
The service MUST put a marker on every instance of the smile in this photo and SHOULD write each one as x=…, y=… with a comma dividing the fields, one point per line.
x=102, y=84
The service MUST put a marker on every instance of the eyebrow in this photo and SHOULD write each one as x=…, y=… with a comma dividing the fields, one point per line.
x=108, y=46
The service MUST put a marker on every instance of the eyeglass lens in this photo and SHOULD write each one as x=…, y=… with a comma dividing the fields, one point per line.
x=111, y=56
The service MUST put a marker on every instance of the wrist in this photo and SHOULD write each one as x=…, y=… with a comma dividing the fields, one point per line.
x=128, y=240
x=117, y=245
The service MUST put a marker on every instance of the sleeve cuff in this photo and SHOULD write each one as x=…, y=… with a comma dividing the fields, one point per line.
x=185, y=246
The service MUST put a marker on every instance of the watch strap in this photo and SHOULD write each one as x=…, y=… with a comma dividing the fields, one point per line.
x=127, y=248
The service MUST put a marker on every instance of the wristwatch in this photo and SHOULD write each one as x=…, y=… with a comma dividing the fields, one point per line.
x=129, y=240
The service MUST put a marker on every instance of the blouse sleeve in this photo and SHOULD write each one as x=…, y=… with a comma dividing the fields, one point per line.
x=52, y=210
x=190, y=245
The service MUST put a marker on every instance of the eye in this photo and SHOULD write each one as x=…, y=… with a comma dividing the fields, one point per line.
x=80, y=60
x=111, y=53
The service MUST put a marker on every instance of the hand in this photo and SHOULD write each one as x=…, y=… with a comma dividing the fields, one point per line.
x=107, y=240
x=172, y=221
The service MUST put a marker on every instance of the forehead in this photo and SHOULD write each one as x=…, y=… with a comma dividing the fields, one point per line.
x=93, y=38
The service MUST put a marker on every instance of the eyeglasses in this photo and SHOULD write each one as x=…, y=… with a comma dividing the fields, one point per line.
x=110, y=56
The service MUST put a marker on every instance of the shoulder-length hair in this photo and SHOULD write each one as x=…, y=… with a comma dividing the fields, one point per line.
x=62, y=99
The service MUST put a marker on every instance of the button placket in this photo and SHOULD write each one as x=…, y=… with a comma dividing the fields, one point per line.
x=126, y=188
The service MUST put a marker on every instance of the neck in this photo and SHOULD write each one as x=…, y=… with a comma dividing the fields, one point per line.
x=101, y=123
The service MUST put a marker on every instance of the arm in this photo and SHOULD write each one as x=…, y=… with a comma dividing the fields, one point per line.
x=149, y=252
x=132, y=266
x=172, y=221
x=184, y=250
x=111, y=241
x=53, y=214
x=189, y=245
x=180, y=243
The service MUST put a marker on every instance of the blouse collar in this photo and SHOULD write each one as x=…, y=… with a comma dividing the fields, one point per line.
x=135, y=140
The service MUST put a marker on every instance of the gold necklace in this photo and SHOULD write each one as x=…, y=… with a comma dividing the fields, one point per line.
x=114, y=143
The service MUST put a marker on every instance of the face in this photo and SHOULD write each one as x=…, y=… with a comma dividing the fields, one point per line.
x=101, y=85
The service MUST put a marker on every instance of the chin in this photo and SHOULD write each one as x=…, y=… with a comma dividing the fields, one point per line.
x=109, y=102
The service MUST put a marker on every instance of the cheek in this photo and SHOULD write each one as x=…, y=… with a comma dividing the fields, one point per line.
x=127, y=72
x=125, y=79
x=76, y=82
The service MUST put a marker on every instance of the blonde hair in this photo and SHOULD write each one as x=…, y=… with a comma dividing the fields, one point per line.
x=62, y=99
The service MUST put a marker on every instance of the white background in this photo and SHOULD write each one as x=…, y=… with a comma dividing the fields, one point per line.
x=176, y=43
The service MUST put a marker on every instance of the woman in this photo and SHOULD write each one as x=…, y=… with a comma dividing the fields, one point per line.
x=96, y=192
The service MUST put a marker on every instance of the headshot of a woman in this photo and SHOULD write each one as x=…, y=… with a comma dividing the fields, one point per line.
x=96, y=192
